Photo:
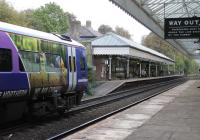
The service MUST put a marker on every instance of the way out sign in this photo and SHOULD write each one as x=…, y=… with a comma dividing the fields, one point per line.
x=182, y=28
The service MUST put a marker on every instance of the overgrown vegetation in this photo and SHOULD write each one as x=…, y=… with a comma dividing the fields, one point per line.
x=48, y=18
x=183, y=64
x=118, y=30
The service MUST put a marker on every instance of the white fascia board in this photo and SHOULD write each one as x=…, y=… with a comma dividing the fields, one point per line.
x=111, y=50
x=147, y=56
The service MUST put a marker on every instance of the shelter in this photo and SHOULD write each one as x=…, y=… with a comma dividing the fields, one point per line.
x=152, y=13
x=116, y=57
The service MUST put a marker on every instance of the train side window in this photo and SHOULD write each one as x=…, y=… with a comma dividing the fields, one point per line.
x=31, y=61
x=70, y=64
x=74, y=61
x=54, y=63
x=82, y=63
x=5, y=60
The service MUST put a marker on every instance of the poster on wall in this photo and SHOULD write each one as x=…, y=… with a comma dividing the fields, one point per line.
x=182, y=28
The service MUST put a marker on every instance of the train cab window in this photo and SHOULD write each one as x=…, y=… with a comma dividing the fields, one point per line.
x=5, y=60
x=82, y=63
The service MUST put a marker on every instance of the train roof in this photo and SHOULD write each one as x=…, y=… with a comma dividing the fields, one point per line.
x=6, y=27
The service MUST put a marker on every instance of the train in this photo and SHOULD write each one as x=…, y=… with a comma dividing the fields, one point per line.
x=39, y=72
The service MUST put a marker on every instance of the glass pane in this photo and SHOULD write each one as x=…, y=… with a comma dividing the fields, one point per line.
x=82, y=63
x=5, y=60
x=31, y=61
x=21, y=67
x=53, y=63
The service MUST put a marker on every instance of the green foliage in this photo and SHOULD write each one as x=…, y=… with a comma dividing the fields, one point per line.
x=105, y=29
x=10, y=15
x=122, y=32
x=118, y=30
x=50, y=18
x=91, y=80
x=88, y=46
x=182, y=63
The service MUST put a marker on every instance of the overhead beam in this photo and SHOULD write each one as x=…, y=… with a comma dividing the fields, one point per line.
x=136, y=11
x=186, y=9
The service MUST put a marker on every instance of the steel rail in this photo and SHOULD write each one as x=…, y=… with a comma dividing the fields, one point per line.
x=80, y=127
x=117, y=95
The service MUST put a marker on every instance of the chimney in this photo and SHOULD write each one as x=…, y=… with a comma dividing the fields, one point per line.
x=75, y=30
x=88, y=24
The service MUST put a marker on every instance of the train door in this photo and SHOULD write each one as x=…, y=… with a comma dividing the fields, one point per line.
x=72, y=74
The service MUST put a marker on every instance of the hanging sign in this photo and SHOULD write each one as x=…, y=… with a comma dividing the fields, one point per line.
x=182, y=28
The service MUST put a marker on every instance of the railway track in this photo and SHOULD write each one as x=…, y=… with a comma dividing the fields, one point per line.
x=92, y=111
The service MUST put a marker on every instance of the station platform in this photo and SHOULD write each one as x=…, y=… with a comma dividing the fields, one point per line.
x=172, y=115
x=107, y=87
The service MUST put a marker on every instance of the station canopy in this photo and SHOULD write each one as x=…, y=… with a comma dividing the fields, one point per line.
x=151, y=13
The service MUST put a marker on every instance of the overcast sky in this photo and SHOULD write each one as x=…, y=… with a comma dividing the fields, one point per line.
x=98, y=11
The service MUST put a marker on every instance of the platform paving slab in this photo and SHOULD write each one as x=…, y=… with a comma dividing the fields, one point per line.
x=180, y=119
x=149, y=120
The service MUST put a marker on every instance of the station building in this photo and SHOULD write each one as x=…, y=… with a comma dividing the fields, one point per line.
x=126, y=58
x=116, y=57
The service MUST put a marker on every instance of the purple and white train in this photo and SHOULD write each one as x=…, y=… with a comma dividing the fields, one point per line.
x=39, y=72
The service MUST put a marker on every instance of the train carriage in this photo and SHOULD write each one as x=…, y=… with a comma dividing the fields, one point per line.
x=39, y=72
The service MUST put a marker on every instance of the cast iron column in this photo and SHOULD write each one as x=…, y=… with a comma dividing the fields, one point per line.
x=156, y=70
x=110, y=68
x=149, y=69
x=127, y=68
x=140, y=69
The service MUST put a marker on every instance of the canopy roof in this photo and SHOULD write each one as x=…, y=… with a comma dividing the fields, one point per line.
x=113, y=44
x=151, y=13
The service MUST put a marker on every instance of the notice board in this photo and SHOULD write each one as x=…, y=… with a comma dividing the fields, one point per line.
x=182, y=28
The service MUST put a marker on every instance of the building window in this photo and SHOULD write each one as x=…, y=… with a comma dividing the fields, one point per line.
x=31, y=61
x=5, y=60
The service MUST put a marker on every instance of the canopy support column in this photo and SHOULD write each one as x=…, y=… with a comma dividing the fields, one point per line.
x=149, y=69
x=156, y=70
x=140, y=69
x=127, y=68
x=110, y=68
x=168, y=69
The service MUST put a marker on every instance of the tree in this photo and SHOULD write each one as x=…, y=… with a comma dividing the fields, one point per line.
x=122, y=32
x=71, y=17
x=156, y=43
x=10, y=15
x=50, y=18
x=27, y=16
x=182, y=62
x=105, y=29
